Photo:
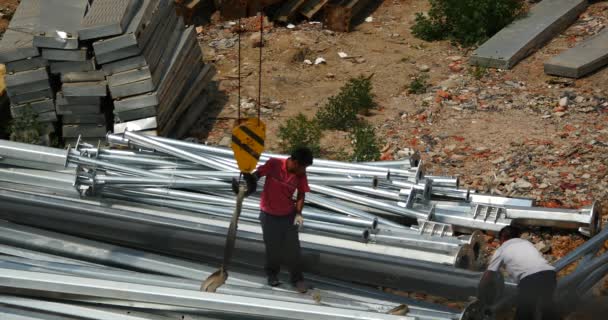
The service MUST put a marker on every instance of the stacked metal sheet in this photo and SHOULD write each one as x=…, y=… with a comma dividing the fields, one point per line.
x=78, y=59
x=27, y=79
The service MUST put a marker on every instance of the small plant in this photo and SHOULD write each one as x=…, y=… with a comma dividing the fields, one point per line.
x=298, y=132
x=340, y=112
x=467, y=22
x=478, y=72
x=26, y=127
x=419, y=84
x=365, y=143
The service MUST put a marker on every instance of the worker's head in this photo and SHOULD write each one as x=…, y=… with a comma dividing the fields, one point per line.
x=507, y=233
x=298, y=161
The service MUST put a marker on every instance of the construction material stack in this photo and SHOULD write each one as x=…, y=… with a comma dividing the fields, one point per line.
x=27, y=79
x=84, y=60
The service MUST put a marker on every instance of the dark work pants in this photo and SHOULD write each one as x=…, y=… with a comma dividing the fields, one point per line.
x=536, y=293
x=282, y=245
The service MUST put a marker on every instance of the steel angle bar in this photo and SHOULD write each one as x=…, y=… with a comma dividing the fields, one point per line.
x=85, y=130
x=59, y=67
x=26, y=64
x=83, y=118
x=135, y=114
x=44, y=93
x=136, y=102
x=136, y=125
x=37, y=107
x=109, y=57
x=85, y=89
x=76, y=55
x=80, y=110
x=124, y=65
x=86, y=76
x=133, y=88
x=63, y=100
x=51, y=310
x=107, y=18
x=146, y=141
x=60, y=284
x=59, y=24
x=33, y=88
x=25, y=78
x=129, y=76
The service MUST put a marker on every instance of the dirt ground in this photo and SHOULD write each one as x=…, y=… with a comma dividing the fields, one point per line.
x=7, y=8
x=508, y=132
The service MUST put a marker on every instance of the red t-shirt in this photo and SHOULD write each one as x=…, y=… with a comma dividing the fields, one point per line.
x=279, y=188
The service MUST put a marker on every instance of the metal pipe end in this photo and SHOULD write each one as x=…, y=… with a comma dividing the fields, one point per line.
x=595, y=224
x=465, y=258
x=376, y=182
x=473, y=311
x=375, y=224
x=366, y=235
x=478, y=245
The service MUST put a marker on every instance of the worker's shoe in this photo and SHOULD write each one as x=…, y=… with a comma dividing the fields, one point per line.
x=301, y=286
x=273, y=281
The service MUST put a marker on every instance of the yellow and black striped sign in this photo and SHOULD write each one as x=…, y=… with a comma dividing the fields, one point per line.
x=248, y=143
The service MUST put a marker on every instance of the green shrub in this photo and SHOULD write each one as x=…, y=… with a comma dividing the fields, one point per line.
x=340, y=112
x=467, y=22
x=478, y=72
x=365, y=143
x=26, y=128
x=298, y=132
x=418, y=85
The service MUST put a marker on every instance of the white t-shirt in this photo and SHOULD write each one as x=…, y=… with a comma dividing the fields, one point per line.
x=520, y=258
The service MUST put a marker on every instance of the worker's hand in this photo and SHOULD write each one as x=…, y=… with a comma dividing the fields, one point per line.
x=299, y=220
x=251, y=180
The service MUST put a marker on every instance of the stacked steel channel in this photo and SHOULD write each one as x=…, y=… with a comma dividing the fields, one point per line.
x=63, y=56
x=27, y=79
x=154, y=68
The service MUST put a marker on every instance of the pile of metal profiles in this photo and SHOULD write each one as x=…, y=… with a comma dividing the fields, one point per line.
x=43, y=271
x=27, y=80
x=81, y=60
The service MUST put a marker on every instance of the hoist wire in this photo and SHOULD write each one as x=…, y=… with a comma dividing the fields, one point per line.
x=260, y=65
x=239, y=30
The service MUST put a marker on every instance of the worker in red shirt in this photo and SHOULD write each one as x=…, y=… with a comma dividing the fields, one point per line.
x=281, y=215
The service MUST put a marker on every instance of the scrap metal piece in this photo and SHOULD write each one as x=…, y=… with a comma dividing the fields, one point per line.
x=83, y=76
x=40, y=106
x=58, y=67
x=77, y=109
x=26, y=64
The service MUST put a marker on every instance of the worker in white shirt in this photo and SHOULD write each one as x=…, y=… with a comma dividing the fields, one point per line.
x=535, y=277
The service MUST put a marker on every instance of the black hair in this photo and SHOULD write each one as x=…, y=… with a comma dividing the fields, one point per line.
x=509, y=232
x=302, y=155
